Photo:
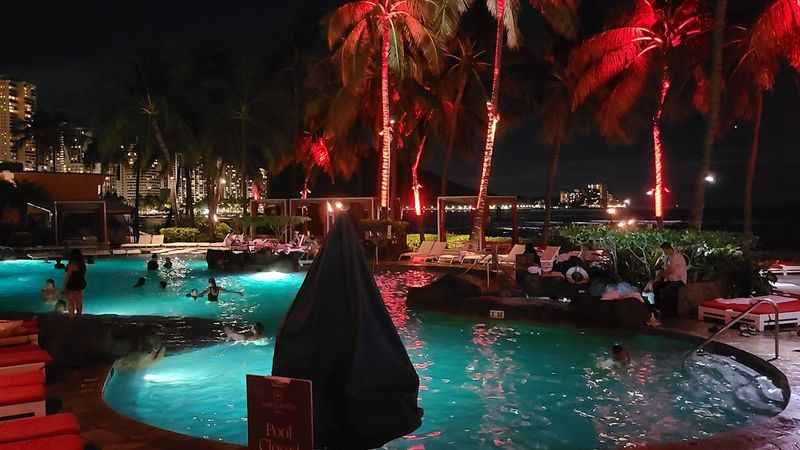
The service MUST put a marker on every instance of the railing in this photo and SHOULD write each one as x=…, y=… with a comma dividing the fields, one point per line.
x=740, y=317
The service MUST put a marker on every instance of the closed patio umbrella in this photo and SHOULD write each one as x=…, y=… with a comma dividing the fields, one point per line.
x=339, y=335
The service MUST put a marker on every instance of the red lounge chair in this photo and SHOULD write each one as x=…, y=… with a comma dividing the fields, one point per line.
x=63, y=442
x=28, y=332
x=761, y=317
x=23, y=358
x=22, y=400
x=22, y=379
x=38, y=427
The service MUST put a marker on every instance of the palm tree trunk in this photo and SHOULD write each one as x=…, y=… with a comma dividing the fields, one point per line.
x=713, y=118
x=386, y=151
x=189, y=201
x=136, y=199
x=451, y=139
x=481, y=207
x=242, y=164
x=658, y=148
x=751, y=175
x=552, y=171
x=168, y=161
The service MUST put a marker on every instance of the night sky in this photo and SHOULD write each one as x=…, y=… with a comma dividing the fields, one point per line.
x=65, y=45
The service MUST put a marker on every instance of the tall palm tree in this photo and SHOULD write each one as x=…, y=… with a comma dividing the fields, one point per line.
x=396, y=33
x=760, y=51
x=653, y=40
x=556, y=121
x=562, y=15
x=459, y=86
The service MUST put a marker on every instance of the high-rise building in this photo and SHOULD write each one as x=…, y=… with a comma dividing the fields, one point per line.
x=72, y=145
x=17, y=106
x=151, y=179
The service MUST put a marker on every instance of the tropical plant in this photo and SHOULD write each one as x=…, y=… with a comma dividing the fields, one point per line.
x=374, y=37
x=652, y=41
x=713, y=117
x=276, y=224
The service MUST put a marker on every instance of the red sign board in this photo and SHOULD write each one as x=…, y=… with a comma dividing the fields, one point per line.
x=279, y=414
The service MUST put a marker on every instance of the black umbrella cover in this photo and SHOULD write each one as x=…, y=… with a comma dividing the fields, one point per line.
x=339, y=335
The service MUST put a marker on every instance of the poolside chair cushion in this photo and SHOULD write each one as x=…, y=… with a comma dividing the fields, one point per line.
x=39, y=427
x=23, y=354
x=22, y=379
x=786, y=306
x=21, y=394
x=63, y=442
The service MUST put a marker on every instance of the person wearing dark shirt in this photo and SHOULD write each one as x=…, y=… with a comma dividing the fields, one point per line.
x=153, y=263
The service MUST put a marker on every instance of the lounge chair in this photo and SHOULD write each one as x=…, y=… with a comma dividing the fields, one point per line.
x=62, y=442
x=476, y=258
x=22, y=358
x=436, y=251
x=548, y=258
x=22, y=401
x=27, y=332
x=22, y=379
x=785, y=268
x=39, y=427
x=511, y=256
x=157, y=240
x=423, y=250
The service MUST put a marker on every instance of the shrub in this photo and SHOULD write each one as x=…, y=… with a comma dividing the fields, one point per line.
x=454, y=240
x=180, y=234
x=710, y=256
x=276, y=224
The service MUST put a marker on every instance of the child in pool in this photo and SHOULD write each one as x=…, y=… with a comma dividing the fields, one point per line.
x=254, y=333
x=49, y=291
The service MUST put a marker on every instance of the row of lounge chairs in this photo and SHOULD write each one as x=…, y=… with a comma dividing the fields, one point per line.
x=436, y=251
x=24, y=424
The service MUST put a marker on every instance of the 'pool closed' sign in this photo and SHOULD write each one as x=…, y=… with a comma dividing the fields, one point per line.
x=279, y=414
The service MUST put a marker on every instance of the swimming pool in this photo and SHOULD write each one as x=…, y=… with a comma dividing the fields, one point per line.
x=110, y=290
x=485, y=384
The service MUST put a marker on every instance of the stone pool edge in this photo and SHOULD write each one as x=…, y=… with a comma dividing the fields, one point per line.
x=781, y=432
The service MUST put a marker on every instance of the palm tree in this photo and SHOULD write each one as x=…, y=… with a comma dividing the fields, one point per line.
x=713, y=117
x=562, y=15
x=398, y=34
x=41, y=131
x=653, y=39
x=460, y=83
x=760, y=51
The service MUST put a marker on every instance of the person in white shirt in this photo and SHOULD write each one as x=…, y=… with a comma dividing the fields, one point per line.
x=669, y=282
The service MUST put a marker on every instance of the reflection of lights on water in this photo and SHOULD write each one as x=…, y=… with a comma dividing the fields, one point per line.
x=269, y=276
x=163, y=378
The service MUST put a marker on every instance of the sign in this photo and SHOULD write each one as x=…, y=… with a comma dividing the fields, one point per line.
x=279, y=413
x=497, y=314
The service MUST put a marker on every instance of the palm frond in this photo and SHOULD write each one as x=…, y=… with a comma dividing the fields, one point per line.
x=562, y=15
x=597, y=47
x=345, y=19
x=776, y=33
x=510, y=19
x=622, y=99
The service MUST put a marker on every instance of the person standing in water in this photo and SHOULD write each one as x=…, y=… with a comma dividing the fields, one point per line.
x=75, y=283
x=213, y=291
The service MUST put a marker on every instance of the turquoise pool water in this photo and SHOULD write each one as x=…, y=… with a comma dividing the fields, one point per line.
x=110, y=290
x=484, y=384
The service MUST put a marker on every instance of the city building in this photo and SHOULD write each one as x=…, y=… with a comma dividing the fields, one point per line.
x=17, y=107
x=123, y=179
x=70, y=156
x=592, y=196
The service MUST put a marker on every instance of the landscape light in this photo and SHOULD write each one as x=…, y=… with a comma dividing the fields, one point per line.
x=650, y=193
x=710, y=178
x=339, y=205
x=631, y=221
x=611, y=211
x=627, y=202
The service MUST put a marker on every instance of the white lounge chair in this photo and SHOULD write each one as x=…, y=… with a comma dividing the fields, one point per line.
x=511, y=256
x=548, y=258
x=436, y=251
x=423, y=250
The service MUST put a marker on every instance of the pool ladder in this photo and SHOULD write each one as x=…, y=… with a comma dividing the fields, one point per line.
x=740, y=317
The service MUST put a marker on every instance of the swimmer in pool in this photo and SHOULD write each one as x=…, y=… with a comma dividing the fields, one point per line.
x=163, y=284
x=167, y=263
x=254, y=333
x=140, y=282
x=213, y=291
x=193, y=294
x=620, y=354
x=49, y=291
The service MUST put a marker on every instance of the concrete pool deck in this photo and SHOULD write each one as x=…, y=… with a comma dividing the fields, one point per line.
x=79, y=390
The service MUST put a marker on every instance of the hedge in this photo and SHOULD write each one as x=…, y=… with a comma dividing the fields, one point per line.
x=453, y=240
x=180, y=234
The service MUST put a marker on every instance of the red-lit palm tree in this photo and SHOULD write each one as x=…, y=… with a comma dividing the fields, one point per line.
x=655, y=40
x=378, y=36
x=774, y=38
x=562, y=15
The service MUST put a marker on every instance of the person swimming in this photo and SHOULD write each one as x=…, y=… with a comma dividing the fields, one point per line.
x=255, y=332
x=49, y=291
x=163, y=284
x=620, y=354
x=193, y=294
x=214, y=291
x=140, y=282
x=167, y=263
x=153, y=263
x=59, y=265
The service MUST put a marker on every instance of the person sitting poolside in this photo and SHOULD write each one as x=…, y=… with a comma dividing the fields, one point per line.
x=140, y=282
x=214, y=291
x=59, y=265
x=153, y=263
x=255, y=332
x=167, y=263
x=49, y=291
